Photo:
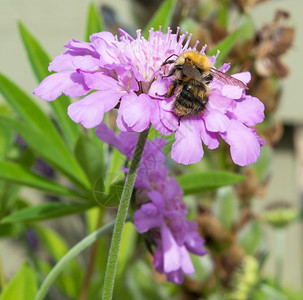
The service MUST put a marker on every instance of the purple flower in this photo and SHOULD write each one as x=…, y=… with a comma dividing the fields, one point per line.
x=162, y=212
x=127, y=73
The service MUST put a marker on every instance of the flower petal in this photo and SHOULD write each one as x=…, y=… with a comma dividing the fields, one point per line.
x=136, y=111
x=187, y=148
x=70, y=83
x=171, y=251
x=147, y=217
x=244, y=144
x=250, y=111
x=90, y=110
x=215, y=121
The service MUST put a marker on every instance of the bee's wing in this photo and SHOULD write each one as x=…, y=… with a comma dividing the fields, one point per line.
x=191, y=72
x=228, y=79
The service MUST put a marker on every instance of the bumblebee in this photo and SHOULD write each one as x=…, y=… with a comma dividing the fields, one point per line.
x=193, y=72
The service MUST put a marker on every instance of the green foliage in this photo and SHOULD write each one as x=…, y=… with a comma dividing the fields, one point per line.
x=162, y=17
x=94, y=22
x=205, y=181
x=39, y=61
x=22, y=286
x=45, y=211
x=15, y=173
x=250, y=237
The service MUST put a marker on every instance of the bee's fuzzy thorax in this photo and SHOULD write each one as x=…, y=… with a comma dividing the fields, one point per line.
x=197, y=58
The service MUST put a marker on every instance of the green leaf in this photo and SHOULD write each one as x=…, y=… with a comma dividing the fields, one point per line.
x=226, y=207
x=205, y=181
x=45, y=211
x=94, y=22
x=5, y=139
x=22, y=286
x=162, y=17
x=39, y=61
x=113, y=196
x=250, y=237
x=89, y=153
x=127, y=248
x=15, y=173
x=54, y=152
x=68, y=280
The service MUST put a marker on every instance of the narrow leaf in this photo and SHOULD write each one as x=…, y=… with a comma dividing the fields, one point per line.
x=45, y=211
x=89, y=153
x=17, y=174
x=39, y=61
x=94, y=22
x=162, y=17
x=205, y=181
x=54, y=152
x=250, y=237
x=22, y=286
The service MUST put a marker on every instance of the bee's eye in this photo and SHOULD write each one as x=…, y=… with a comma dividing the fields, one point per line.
x=188, y=87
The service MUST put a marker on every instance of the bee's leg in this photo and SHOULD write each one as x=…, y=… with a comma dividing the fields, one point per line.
x=171, y=89
x=208, y=78
x=179, y=119
x=173, y=70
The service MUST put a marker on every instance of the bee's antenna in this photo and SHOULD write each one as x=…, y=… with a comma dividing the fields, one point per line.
x=167, y=61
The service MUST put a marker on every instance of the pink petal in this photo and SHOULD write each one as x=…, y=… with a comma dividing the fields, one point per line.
x=147, y=217
x=100, y=81
x=210, y=139
x=215, y=121
x=70, y=83
x=250, y=111
x=187, y=148
x=186, y=263
x=136, y=111
x=90, y=110
x=171, y=251
x=244, y=144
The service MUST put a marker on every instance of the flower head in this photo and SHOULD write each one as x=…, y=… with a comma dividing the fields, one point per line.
x=128, y=74
x=162, y=212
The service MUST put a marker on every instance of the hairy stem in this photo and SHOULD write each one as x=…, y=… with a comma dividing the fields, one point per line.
x=111, y=266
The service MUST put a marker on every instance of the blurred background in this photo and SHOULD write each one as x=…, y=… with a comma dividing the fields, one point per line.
x=55, y=22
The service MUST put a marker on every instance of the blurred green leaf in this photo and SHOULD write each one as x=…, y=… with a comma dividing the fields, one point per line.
x=226, y=207
x=39, y=60
x=94, y=22
x=205, y=181
x=15, y=173
x=45, y=211
x=268, y=292
x=162, y=17
x=264, y=163
x=112, y=197
x=89, y=153
x=22, y=286
x=250, y=237
x=127, y=248
x=70, y=279
x=6, y=136
x=52, y=151
x=141, y=286
x=12, y=230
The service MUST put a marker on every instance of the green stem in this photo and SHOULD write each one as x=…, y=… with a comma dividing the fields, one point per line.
x=78, y=248
x=111, y=266
x=2, y=276
x=280, y=249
